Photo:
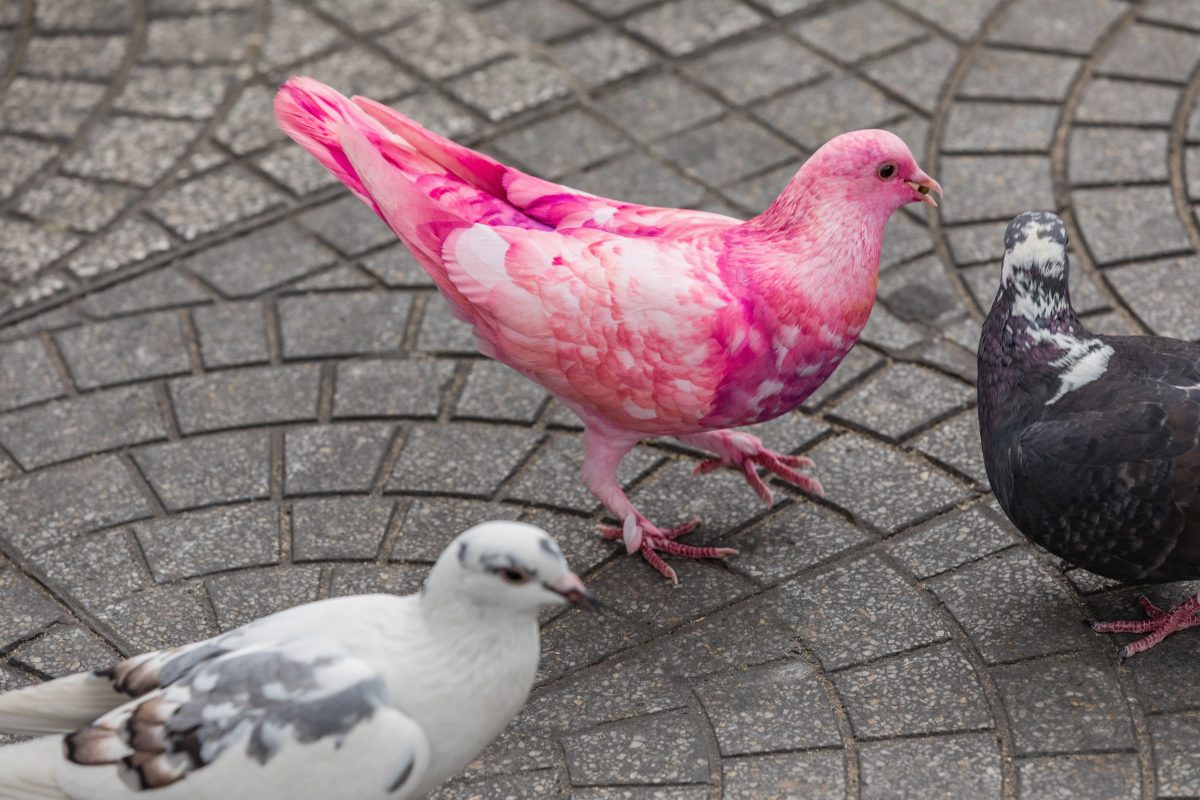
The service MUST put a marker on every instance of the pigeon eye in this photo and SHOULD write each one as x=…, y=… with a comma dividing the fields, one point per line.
x=514, y=575
x=885, y=170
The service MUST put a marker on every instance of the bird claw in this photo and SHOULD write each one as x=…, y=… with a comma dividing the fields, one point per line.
x=1157, y=626
x=651, y=541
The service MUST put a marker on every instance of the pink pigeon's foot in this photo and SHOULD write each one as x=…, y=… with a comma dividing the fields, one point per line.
x=1158, y=624
x=638, y=533
x=746, y=452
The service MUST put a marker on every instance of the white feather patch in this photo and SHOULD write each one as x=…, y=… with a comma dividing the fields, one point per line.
x=479, y=252
x=1085, y=360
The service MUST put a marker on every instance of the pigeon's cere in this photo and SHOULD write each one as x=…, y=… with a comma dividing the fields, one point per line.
x=1090, y=441
x=643, y=321
x=372, y=696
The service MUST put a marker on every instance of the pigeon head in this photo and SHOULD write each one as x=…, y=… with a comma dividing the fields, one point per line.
x=507, y=565
x=1035, y=271
x=870, y=168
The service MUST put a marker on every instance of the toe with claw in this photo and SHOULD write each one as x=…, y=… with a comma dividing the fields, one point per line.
x=639, y=534
x=746, y=452
x=1157, y=625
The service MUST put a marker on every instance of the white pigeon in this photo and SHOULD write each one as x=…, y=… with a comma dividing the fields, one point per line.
x=372, y=696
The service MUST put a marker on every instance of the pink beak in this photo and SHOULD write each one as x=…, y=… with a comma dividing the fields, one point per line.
x=922, y=184
x=572, y=588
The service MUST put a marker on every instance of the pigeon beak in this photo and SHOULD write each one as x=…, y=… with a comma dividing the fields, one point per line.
x=922, y=184
x=575, y=593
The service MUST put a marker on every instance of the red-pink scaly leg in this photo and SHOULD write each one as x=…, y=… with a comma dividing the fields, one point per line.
x=746, y=452
x=603, y=450
x=1158, y=624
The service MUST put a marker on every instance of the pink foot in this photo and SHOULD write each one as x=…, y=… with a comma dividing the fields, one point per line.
x=1158, y=624
x=746, y=452
x=639, y=533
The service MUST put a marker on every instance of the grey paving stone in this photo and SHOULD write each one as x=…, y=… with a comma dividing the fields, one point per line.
x=183, y=92
x=1191, y=168
x=131, y=241
x=721, y=500
x=242, y=597
x=601, y=57
x=110, y=15
x=918, y=73
x=758, y=68
x=402, y=388
x=64, y=651
x=250, y=125
x=72, y=203
x=26, y=248
x=20, y=158
x=207, y=470
x=130, y=149
x=1063, y=706
x=818, y=775
x=161, y=288
x=339, y=277
x=683, y=26
x=695, y=792
x=441, y=332
x=561, y=144
x=263, y=259
x=956, y=443
x=250, y=396
x=901, y=398
x=1116, y=155
x=857, y=613
x=27, y=609
x=497, y=392
x=930, y=691
x=398, y=579
x=903, y=489
x=1127, y=102
x=859, y=362
x=47, y=107
x=484, y=456
x=1144, y=51
x=573, y=641
x=356, y=70
x=95, y=570
x=839, y=33
x=540, y=20
x=1161, y=293
x=442, y=41
x=724, y=151
x=334, y=528
x=633, y=588
x=348, y=224
x=201, y=542
x=439, y=114
x=637, y=178
x=799, y=537
x=996, y=186
x=429, y=525
x=27, y=374
x=815, y=114
x=999, y=128
x=48, y=508
x=334, y=458
x=523, y=786
x=1125, y=223
x=963, y=18
x=509, y=87
x=552, y=475
x=1012, y=607
x=199, y=39
x=397, y=268
x=212, y=201
x=232, y=334
x=294, y=34
x=903, y=239
x=166, y=616
x=347, y=323
x=131, y=349
x=295, y=169
x=951, y=357
x=775, y=707
x=758, y=192
x=658, y=105
x=1175, y=753
x=664, y=748
x=953, y=540
x=1071, y=26
x=942, y=768
x=77, y=426
x=1113, y=776
x=1019, y=75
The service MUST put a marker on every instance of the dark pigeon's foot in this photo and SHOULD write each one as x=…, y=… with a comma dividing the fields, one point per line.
x=1158, y=624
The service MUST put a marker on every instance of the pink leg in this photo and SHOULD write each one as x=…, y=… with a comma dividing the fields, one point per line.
x=746, y=452
x=1158, y=624
x=603, y=451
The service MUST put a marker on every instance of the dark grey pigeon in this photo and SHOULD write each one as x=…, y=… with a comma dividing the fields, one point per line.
x=1092, y=443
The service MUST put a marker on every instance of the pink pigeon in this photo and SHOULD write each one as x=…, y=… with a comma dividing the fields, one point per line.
x=645, y=322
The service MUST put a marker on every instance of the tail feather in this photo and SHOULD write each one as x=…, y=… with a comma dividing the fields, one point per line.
x=27, y=770
x=58, y=706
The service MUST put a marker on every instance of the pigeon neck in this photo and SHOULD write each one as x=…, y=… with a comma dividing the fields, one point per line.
x=443, y=598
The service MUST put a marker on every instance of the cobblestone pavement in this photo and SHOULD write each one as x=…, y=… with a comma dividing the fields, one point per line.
x=225, y=389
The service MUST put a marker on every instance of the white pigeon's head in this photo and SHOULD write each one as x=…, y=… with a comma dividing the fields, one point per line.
x=509, y=565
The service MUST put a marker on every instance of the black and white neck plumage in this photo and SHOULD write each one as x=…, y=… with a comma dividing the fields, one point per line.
x=1091, y=442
